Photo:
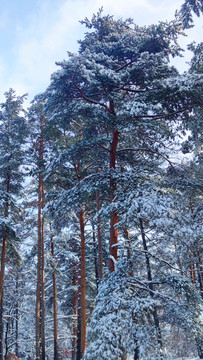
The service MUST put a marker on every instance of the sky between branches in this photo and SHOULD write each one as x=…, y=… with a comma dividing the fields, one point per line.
x=35, y=33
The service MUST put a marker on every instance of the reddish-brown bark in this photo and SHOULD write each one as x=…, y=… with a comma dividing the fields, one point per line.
x=192, y=273
x=39, y=254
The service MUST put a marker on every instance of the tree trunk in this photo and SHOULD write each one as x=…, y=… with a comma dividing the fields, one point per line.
x=3, y=261
x=16, y=317
x=200, y=266
x=78, y=350
x=114, y=218
x=74, y=340
x=42, y=298
x=95, y=256
x=192, y=273
x=127, y=237
x=40, y=291
x=1, y=330
x=6, y=337
x=136, y=353
x=199, y=278
x=55, y=301
x=151, y=290
x=99, y=234
x=199, y=342
x=82, y=286
x=39, y=264
x=3, y=252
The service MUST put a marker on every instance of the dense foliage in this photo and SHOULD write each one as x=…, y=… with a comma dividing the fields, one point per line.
x=110, y=213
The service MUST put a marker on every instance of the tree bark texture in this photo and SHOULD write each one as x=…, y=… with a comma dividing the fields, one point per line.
x=3, y=262
x=42, y=298
x=55, y=300
x=113, y=251
x=40, y=290
x=74, y=340
x=99, y=234
x=95, y=256
x=5, y=238
x=6, y=337
x=82, y=286
x=1, y=330
x=39, y=264
x=16, y=316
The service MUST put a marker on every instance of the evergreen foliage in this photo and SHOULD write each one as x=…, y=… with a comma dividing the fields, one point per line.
x=110, y=218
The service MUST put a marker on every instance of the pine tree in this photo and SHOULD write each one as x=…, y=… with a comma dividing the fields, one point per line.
x=188, y=8
x=12, y=134
x=37, y=121
x=119, y=83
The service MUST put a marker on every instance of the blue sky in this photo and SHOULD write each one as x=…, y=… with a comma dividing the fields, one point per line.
x=36, y=33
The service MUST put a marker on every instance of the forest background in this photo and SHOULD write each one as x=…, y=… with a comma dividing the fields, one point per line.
x=101, y=200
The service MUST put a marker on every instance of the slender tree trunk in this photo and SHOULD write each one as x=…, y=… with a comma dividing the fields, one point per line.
x=78, y=350
x=55, y=301
x=99, y=234
x=42, y=298
x=179, y=262
x=192, y=266
x=127, y=236
x=3, y=252
x=3, y=262
x=192, y=273
x=199, y=342
x=199, y=273
x=200, y=265
x=74, y=340
x=151, y=290
x=82, y=286
x=16, y=316
x=1, y=330
x=95, y=256
x=136, y=353
x=6, y=338
x=38, y=290
x=114, y=218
